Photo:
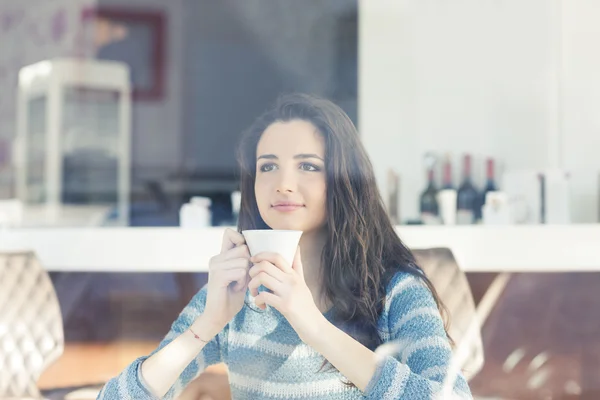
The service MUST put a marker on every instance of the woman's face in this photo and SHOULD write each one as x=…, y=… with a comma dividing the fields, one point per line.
x=290, y=184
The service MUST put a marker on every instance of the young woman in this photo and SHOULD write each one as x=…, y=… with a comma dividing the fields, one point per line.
x=352, y=287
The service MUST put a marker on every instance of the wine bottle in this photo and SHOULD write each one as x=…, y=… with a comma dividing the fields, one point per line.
x=428, y=203
x=447, y=181
x=467, y=197
x=490, y=186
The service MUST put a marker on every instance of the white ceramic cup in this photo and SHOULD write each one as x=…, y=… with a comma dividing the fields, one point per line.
x=284, y=242
x=447, y=202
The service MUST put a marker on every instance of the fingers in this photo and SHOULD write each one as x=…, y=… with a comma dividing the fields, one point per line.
x=267, y=267
x=297, y=264
x=232, y=264
x=267, y=281
x=268, y=299
x=240, y=251
x=217, y=265
x=224, y=260
x=237, y=275
x=241, y=285
x=231, y=239
x=274, y=258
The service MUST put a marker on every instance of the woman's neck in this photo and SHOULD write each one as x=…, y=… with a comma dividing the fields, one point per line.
x=311, y=248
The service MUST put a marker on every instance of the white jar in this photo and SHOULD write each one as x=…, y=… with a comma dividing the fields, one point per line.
x=196, y=213
x=236, y=201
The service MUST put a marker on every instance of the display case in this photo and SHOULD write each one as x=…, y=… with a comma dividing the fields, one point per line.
x=73, y=135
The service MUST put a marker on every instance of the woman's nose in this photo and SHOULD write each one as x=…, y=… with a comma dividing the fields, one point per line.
x=286, y=182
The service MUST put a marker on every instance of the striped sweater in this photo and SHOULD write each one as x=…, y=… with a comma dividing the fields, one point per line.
x=267, y=360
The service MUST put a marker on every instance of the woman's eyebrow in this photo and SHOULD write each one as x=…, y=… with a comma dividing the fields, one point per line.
x=297, y=156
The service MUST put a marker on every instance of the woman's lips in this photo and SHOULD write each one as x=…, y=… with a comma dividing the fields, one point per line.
x=287, y=207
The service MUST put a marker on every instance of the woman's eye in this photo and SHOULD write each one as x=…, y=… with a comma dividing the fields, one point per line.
x=309, y=167
x=267, y=167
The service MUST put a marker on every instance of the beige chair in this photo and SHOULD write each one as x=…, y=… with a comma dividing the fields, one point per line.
x=31, y=331
x=453, y=288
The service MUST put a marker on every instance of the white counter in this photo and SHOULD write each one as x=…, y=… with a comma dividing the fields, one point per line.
x=542, y=248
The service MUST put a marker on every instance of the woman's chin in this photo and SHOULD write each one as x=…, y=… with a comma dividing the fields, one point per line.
x=286, y=225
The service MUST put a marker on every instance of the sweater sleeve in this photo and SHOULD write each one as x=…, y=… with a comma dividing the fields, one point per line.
x=416, y=354
x=130, y=385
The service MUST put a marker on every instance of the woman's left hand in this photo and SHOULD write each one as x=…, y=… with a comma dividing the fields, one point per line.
x=289, y=293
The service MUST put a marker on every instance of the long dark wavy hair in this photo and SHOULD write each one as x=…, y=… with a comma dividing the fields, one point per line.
x=362, y=250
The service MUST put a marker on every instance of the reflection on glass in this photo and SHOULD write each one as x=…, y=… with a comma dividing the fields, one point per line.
x=35, y=148
x=90, y=146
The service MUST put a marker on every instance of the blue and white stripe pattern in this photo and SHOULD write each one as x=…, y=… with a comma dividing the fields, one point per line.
x=267, y=360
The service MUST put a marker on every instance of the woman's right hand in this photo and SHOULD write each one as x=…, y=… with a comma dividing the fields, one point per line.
x=227, y=281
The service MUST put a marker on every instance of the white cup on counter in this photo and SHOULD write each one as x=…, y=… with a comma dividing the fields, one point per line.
x=447, y=206
x=196, y=213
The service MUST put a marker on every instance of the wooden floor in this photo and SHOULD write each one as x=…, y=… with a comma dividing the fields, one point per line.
x=542, y=340
x=91, y=363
